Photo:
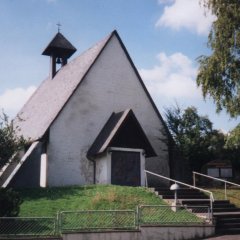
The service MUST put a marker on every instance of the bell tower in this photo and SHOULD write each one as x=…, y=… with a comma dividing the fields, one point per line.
x=59, y=50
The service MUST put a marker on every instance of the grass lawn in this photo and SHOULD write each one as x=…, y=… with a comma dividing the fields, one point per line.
x=48, y=201
x=233, y=195
x=164, y=215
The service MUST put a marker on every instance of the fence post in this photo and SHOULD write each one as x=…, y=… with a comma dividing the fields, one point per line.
x=211, y=208
x=225, y=185
x=139, y=215
x=194, y=180
x=56, y=225
x=59, y=223
x=208, y=214
x=137, y=218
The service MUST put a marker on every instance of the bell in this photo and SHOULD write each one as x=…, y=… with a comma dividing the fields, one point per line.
x=58, y=61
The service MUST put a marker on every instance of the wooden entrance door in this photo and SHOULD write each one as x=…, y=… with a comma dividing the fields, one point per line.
x=125, y=168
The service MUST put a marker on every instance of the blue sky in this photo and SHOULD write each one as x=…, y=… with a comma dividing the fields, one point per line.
x=163, y=37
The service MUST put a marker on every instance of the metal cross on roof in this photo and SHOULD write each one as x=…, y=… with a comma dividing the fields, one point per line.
x=59, y=26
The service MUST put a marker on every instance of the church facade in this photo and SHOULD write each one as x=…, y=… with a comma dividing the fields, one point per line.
x=92, y=122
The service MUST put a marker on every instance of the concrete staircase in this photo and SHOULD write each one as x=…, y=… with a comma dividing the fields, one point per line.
x=10, y=169
x=6, y=171
x=184, y=193
x=226, y=214
x=228, y=222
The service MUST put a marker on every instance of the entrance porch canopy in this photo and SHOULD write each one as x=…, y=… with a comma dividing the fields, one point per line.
x=121, y=130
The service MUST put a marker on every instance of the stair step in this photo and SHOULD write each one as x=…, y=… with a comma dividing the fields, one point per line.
x=228, y=231
x=184, y=197
x=196, y=202
x=222, y=201
x=229, y=205
x=228, y=220
x=228, y=225
x=182, y=194
x=222, y=210
x=206, y=202
x=181, y=189
x=227, y=215
x=179, y=192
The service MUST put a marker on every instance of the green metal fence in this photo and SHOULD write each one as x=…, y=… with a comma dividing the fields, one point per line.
x=28, y=226
x=164, y=215
x=97, y=220
x=100, y=220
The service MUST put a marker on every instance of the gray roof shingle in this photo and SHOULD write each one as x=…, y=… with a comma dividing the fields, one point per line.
x=42, y=108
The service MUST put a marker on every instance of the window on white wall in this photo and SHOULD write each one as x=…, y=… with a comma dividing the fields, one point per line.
x=214, y=172
x=226, y=172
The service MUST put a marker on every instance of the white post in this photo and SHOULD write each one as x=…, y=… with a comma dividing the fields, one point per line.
x=225, y=191
x=175, y=196
x=194, y=180
x=146, y=181
x=175, y=188
x=211, y=207
x=43, y=173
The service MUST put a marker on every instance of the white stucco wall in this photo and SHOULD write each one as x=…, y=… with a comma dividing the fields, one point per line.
x=111, y=85
x=103, y=169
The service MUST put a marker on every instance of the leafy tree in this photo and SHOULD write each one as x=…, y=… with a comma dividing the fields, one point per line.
x=194, y=136
x=217, y=141
x=233, y=139
x=219, y=73
x=9, y=141
x=232, y=147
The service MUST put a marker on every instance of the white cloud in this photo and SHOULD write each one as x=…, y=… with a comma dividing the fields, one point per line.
x=165, y=1
x=187, y=14
x=11, y=100
x=174, y=77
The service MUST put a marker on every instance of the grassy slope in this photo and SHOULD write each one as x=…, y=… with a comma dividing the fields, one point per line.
x=233, y=195
x=48, y=201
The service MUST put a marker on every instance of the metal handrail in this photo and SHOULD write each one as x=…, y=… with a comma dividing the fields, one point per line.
x=217, y=179
x=211, y=198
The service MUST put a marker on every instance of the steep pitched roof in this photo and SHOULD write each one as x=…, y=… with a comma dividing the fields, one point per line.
x=45, y=104
x=121, y=130
x=42, y=108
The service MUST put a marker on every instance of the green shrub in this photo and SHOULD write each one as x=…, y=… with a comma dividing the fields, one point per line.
x=9, y=203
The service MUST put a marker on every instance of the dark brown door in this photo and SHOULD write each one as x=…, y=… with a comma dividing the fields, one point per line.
x=126, y=168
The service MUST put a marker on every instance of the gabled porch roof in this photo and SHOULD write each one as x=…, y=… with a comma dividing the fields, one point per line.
x=121, y=130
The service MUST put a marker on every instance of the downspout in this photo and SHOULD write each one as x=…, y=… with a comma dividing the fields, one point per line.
x=94, y=167
x=44, y=158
